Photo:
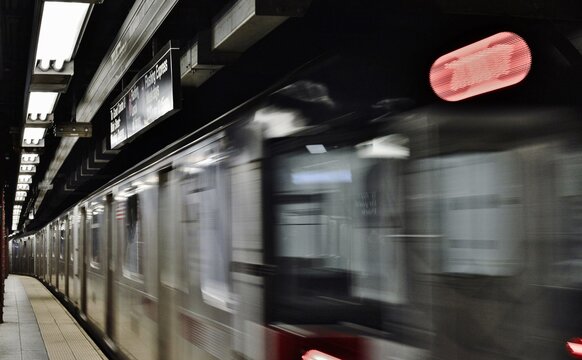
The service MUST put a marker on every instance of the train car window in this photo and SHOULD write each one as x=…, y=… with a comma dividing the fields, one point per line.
x=136, y=204
x=72, y=245
x=339, y=215
x=206, y=213
x=53, y=234
x=97, y=218
x=62, y=230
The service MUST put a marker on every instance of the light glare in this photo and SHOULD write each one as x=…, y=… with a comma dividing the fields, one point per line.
x=29, y=158
x=41, y=103
x=59, y=31
x=34, y=133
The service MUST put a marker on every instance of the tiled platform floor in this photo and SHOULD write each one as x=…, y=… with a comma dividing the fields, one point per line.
x=37, y=327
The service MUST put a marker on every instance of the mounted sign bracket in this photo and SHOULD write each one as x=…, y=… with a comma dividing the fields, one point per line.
x=82, y=130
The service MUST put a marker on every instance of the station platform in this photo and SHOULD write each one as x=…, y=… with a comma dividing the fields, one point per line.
x=37, y=327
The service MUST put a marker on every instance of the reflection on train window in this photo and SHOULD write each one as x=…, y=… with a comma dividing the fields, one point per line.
x=133, y=246
x=97, y=223
x=62, y=240
x=53, y=240
x=338, y=216
x=206, y=219
x=135, y=207
x=71, y=244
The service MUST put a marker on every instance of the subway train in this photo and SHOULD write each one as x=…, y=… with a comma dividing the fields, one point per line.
x=346, y=213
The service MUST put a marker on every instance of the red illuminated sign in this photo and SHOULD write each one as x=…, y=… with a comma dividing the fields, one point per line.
x=317, y=355
x=574, y=346
x=493, y=63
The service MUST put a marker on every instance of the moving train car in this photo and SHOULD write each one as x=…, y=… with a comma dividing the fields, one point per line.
x=347, y=213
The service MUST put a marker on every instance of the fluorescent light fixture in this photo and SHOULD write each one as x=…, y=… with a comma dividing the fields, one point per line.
x=316, y=149
x=321, y=177
x=24, y=179
x=60, y=27
x=33, y=133
x=17, y=207
x=27, y=168
x=41, y=104
x=19, y=198
x=21, y=193
x=22, y=187
x=14, y=227
x=31, y=215
x=29, y=158
x=32, y=142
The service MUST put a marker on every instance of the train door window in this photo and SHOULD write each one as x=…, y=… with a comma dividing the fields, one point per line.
x=62, y=231
x=97, y=218
x=135, y=215
x=338, y=216
x=72, y=246
x=205, y=194
x=53, y=240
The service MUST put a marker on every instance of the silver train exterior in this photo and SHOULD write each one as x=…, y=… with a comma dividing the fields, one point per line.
x=289, y=231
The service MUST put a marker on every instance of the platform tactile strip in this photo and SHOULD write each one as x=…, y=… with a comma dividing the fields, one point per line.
x=64, y=338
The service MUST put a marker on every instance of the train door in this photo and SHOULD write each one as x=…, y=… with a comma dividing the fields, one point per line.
x=110, y=265
x=135, y=294
x=41, y=254
x=96, y=285
x=46, y=253
x=84, y=257
x=30, y=255
x=170, y=251
x=335, y=221
x=196, y=250
x=61, y=234
x=54, y=244
x=36, y=254
x=70, y=256
x=25, y=256
x=74, y=227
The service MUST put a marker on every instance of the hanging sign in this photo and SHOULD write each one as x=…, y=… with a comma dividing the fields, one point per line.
x=152, y=96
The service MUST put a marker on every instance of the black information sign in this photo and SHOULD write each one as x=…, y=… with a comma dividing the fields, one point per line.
x=153, y=95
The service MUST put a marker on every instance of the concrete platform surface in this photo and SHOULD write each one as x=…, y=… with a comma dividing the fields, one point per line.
x=37, y=327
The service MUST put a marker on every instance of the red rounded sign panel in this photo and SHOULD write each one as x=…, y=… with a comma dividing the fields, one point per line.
x=493, y=63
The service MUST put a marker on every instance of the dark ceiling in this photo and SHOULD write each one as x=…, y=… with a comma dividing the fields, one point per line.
x=15, y=30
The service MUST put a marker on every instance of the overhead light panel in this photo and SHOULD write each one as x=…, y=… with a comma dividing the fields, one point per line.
x=34, y=133
x=24, y=179
x=22, y=187
x=60, y=28
x=41, y=104
x=29, y=158
x=21, y=193
x=27, y=168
